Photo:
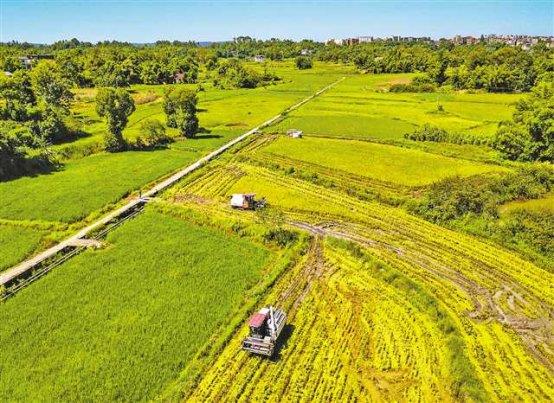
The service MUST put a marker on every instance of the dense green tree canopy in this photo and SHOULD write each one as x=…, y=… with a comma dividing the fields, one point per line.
x=115, y=105
x=530, y=134
x=180, y=108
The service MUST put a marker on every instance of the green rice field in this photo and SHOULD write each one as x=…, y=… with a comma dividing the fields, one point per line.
x=16, y=243
x=119, y=323
x=359, y=108
x=378, y=161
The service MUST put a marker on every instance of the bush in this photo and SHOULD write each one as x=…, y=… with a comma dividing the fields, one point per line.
x=154, y=134
x=453, y=198
x=280, y=236
x=429, y=132
x=232, y=74
x=421, y=83
x=303, y=63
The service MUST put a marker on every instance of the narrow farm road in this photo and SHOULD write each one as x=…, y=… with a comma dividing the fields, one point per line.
x=13, y=273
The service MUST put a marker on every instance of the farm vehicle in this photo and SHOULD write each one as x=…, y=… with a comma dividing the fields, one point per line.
x=265, y=327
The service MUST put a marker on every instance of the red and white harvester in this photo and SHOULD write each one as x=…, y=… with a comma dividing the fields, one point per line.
x=265, y=327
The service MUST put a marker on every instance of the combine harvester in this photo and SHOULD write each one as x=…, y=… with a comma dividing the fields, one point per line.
x=246, y=201
x=265, y=328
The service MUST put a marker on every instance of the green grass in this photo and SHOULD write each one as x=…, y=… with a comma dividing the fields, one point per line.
x=222, y=112
x=378, y=161
x=119, y=323
x=86, y=185
x=16, y=243
x=359, y=108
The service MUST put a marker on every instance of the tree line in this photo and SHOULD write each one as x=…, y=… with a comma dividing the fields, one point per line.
x=35, y=103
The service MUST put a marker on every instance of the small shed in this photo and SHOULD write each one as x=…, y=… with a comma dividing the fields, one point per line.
x=8, y=74
x=295, y=133
x=259, y=58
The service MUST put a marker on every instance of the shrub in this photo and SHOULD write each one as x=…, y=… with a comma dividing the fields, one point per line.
x=429, y=132
x=154, y=134
x=418, y=84
x=280, y=236
x=453, y=198
x=232, y=74
x=303, y=63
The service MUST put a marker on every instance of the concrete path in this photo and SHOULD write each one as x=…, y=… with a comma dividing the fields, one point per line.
x=9, y=275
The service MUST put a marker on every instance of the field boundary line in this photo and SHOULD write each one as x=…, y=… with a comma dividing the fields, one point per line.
x=10, y=275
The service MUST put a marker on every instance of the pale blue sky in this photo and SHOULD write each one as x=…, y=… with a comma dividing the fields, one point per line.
x=148, y=20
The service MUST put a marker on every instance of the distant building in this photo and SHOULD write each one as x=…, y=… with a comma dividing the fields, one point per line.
x=333, y=41
x=8, y=74
x=365, y=39
x=305, y=52
x=259, y=58
x=352, y=41
x=28, y=61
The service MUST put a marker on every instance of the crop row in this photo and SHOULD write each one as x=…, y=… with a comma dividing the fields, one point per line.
x=498, y=304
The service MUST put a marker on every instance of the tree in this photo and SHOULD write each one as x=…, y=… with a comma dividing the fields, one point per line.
x=11, y=64
x=180, y=108
x=12, y=155
x=303, y=63
x=154, y=72
x=530, y=134
x=18, y=95
x=50, y=86
x=51, y=127
x=115, y=105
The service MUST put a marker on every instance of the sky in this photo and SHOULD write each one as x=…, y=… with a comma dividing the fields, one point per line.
x=143, y=21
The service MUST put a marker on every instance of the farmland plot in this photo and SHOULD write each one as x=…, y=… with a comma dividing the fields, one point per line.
x=87, y=184
x=119, y=323
x=358, y=108
x=396, y=309
x=382, y=306
x=16, y=243
x=382, y=162
x=221, y=112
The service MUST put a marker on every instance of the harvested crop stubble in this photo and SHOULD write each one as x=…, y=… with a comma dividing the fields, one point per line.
x=505, y=337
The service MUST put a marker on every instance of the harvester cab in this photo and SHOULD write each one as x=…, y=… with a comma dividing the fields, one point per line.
x=265, y=327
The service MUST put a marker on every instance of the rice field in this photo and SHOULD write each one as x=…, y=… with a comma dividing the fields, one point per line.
x=16, y=243
x=381, y=305
x=379, y=161
x=360, y=108
x=121, y=322
x=221, y=112
x=544, y=204
x=86, y=185
x=385, y=307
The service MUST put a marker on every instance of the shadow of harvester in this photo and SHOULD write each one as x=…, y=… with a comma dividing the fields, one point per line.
x=282, y=342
